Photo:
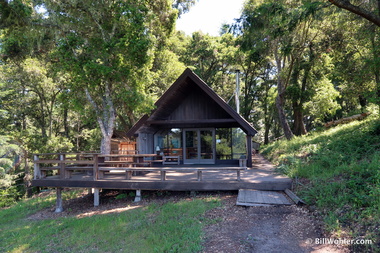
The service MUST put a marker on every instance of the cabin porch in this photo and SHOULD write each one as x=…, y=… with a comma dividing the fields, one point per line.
x=141, y=172
x=101, y=172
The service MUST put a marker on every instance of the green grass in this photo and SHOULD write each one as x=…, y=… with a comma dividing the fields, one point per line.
x=338, y=171
x=170, y=227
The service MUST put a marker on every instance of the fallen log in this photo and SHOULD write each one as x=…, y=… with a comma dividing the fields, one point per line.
x=347, y=120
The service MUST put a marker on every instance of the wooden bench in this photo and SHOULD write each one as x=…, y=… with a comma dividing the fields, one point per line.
x=71, y=168
x=124, y=164
x=170, y=159
x=127, y=167
x=46, y=169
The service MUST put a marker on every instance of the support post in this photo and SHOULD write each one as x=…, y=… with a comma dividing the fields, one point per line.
x=138, y=196
x=96, y=196
x=237, y=91
x=249, y=151
x=59, y=206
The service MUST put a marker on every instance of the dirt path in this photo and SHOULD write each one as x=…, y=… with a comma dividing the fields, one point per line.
x=285, y=229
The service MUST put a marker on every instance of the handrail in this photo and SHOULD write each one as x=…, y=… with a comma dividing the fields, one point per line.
x=68, y=153
x=65, y=162
x=40, y=171
x=97, y=164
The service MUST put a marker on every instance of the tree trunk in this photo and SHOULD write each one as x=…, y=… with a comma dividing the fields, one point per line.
x=106, y=118
x=280, y=100
x=28, y=176
x=266, y=133
x=282, y=116
x=299, y=126
x=65, y=122
x=105, y=147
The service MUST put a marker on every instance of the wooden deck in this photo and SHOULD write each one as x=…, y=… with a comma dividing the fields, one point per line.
x=177, y=178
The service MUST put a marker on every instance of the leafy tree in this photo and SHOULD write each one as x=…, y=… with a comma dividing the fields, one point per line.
x=288, y=36
x=214, y=60
x=107, y=48
x=265, y=26
x=369, y=11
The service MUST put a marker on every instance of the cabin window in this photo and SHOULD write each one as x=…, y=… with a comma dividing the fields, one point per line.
x=230, y=143
x=168, y=142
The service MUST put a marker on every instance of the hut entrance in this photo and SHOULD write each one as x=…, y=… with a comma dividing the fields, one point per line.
x=199, y=146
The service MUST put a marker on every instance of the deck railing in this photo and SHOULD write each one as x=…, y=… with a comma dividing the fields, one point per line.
x=96, y=165
x=63, y=164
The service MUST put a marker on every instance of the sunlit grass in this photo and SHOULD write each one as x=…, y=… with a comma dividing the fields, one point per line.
x=170, y=227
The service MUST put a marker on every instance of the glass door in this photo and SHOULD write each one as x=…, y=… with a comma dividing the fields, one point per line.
x=190, y=147
x=199, y=146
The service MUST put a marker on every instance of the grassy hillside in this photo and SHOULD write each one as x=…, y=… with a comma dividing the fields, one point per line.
x=337, y=172
x=175, y=226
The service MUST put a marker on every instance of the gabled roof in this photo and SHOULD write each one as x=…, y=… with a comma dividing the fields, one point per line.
x=187, y=89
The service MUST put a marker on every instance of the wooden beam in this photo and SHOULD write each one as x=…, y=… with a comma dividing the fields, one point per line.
x=294, y=197
x=275, y=185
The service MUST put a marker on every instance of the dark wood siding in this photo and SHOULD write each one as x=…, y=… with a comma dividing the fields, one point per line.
x=191, y=103
x=198, y=105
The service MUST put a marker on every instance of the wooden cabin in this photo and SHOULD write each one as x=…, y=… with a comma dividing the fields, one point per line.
x=194, y=125
x=192, y=129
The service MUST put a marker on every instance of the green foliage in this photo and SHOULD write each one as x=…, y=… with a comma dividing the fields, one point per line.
x=339, y=171
x=214, y=60
x=171, y=227
x=8, y=196
x=324, y=101
x=9, y=155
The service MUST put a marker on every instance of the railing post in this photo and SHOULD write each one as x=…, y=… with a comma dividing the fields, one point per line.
x=37, y=171
x=62, y=165
x=96, y=167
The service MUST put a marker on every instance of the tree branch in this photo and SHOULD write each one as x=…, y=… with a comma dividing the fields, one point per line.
x=345, y=4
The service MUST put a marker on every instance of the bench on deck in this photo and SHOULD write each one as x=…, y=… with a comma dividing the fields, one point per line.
x=125, y=163
x=122, y=166
x=70, y=169
x=199, y=171
x=170, y=159
x=44, y=170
